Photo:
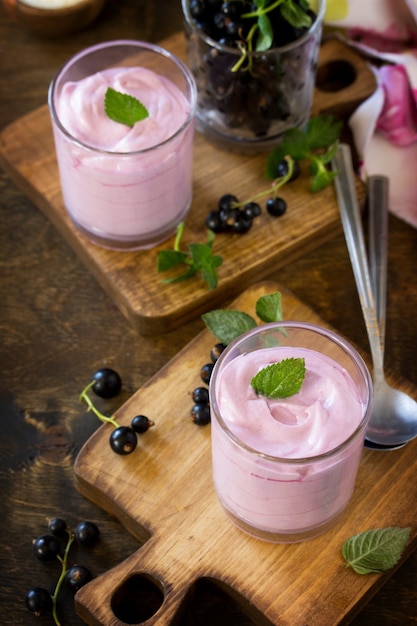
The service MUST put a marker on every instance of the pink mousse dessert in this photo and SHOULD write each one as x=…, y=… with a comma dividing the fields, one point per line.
x=284, y=469
x=125, y=187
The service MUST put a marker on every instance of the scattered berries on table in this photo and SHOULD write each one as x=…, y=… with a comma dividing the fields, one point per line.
x=77, y=576
x=276, y=207
x=87, y=533
x=56, y=546
x=141, y=423
x=39, y=601
x=107, y=383
x=233, y=216
x=46, y=547
x=123, y=440
x=200, y=410
x=205, y=372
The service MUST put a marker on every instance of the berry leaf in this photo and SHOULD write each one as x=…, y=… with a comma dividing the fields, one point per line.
x=226, y=325
x=199, y=258
x=167, y=259
x=269, y=307
x=376, y=550
x=124, y=109
x=280, y=380
x=296, y=15
x=322, y=131
x=265, y=35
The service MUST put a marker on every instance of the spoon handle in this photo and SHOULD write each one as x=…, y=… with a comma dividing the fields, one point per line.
x=352, y=226
x=378, y=246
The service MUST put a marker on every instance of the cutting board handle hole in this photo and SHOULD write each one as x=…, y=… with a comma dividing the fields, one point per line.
x=335, y=75
x=137, y=599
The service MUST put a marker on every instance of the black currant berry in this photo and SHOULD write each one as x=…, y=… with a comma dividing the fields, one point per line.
x=39, y=601
x=141, y=423
x=251, y=209
x=242, y=224
x=123, y=440
x=276, y=207
x=107, y=383
x=77, y=576
x=214, y=223
x=46, y=547
x=282, y=170
x=58, y=527
x=227, y=201
x=87, y=533
x=200, y=395
x=216, y=351
x=205, y=372
x=200, y=414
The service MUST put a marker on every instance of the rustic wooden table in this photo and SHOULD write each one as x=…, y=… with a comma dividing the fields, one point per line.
x=58, y=326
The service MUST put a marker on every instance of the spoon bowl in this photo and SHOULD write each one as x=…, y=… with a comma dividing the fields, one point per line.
x=394, y=416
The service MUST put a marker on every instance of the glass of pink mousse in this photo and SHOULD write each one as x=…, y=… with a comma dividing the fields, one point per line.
x=284, y=469
x=125, y=187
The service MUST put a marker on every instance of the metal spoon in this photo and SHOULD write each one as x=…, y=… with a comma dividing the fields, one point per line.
x=394, y=417
x=377, y=187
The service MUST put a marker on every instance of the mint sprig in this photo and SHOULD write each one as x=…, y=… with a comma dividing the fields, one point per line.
x=198, y=259
x=228, y=324
x=123, y=108
x=375, y=551
x=281, y=379
x=317, y=143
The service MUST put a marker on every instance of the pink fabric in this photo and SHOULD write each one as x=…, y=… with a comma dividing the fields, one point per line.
x=385, y=126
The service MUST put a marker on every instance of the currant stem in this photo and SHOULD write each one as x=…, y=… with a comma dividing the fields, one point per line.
x=276, y=185
x=84, y=396
x=63, y=561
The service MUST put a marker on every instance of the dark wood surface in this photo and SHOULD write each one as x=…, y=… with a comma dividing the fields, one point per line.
x=57, y=327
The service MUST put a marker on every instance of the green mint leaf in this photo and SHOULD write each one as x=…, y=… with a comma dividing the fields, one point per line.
x=322, y=131
x=189, y=273
x=206, y=262
x=200, y=258
x=226, y=324
x=375, y=550
x=269, y=307
x=124, y=109
x=295, y=15
x=280, y=380
x=265, y=34
x=167, y=259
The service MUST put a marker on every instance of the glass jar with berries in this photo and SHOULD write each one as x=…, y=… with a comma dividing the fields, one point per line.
x=254, y=62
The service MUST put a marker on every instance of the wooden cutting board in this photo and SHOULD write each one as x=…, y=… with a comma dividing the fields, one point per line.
x=131, y=279
x=163, y=494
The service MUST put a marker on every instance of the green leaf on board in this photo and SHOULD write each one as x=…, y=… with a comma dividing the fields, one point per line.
x=377, y=550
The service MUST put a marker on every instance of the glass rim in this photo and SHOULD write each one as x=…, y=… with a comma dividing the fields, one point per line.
x=254, y=54
x=337, y=339
x=120, y=43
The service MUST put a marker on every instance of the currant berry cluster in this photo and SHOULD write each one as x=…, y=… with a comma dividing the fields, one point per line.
x=107, y=383
x=230, y=217
x=200, y=411
x=228, y=22
x=233, y=216
x=55, y=545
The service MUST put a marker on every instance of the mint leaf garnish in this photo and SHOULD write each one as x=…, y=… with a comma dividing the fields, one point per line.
x=122, y=108
x=376, y=550
x=269, y=307
x=316, y=144
x=226, y=324
x=199, y=258
x=280, y=380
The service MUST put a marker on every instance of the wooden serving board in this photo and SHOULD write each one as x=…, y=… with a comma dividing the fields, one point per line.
x=28, y=155
x=163, y=494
